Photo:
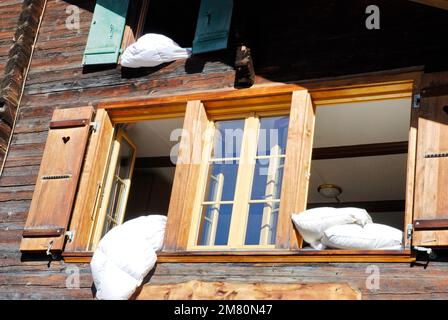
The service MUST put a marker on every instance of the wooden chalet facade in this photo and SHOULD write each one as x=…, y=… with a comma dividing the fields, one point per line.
x=307, y=56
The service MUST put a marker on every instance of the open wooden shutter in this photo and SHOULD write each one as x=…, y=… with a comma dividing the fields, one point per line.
x=212, y=30
x=106, y=32
x=57, y=180
x=91, y=184
x=431, y=184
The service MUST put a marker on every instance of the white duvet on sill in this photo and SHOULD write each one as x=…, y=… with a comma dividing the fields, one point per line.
x=125, y=255
x=151, y=50
x=312, y=223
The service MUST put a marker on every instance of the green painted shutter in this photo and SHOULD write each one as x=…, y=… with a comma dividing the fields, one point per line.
x=212, y=30
x=106, y=32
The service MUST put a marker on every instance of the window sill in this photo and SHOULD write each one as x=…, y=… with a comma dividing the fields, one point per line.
x=272, y=256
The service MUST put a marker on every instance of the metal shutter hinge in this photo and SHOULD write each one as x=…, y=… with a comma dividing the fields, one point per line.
x=70, y=235
x=95, y=126
x=416, y=99
x=409, y=230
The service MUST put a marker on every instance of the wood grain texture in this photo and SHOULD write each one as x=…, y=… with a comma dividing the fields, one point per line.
x=57, y=180
x=441, y=4
x=201, y=290
x=91, y=183
x=297, y=166
x=18, y=29
x=431, y=198
x=357, y=57
x=182, y=177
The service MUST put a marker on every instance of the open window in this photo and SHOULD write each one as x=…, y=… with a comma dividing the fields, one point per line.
x=199, y=24
x=139, y=176
x=244, y=161
x=360, y=153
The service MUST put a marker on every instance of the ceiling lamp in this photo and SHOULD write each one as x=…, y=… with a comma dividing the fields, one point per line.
x=329, y=190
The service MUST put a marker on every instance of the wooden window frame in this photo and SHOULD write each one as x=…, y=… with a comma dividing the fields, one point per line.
x=102, y=215
x=135, y=22
x=226, y=103
x=243, y=186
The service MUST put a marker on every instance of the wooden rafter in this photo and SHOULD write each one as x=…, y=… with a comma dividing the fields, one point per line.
x=441, y=4
x=361, y=150
x=370, y=206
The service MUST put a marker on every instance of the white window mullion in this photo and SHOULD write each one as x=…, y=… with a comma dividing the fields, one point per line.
x=217, y=196
x=271, y=186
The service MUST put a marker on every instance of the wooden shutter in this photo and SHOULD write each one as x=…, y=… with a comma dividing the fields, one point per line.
x=212, y=30
x=57, y=180
x=431, y=184
x=106, y=32
x=91, y=184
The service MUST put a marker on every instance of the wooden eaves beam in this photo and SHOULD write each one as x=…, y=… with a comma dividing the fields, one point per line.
x=441, y=4
x=361, y=150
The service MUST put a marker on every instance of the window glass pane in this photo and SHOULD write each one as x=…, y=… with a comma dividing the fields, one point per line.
x=115, y=201
x=262, y=223
x=215, y=224
x=222, y=181
x=273, y=135
x=118, y=190
x=124, y=159
x=268, y=176
x=228, y=138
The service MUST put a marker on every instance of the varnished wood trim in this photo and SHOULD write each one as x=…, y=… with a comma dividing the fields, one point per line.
x=370, y=206
x=431, y=224
x=204, y=97
x=69, y=123
x=351, y=88
x=50, y=232
x=284, y=259
x=271, y=256
x=361, y=150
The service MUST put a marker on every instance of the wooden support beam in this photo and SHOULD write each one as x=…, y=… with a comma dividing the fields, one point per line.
x=370, y=206
x=361, y=150
x=202, y=290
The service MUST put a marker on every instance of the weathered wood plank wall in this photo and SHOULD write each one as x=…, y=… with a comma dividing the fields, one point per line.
x=325, y=46
x=18, y=28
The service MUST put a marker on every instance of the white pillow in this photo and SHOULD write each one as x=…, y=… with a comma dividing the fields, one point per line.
x=151, y=50
x=125, y=255
x=312, y=223
x=112, y=282
x=370, y=236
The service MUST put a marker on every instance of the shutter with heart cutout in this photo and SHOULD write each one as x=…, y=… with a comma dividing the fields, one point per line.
x=57, y=181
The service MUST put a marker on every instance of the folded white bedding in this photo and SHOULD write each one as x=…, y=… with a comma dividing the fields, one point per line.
x=312, y=223
x=368, y=237
x=151, y=50
x=125, y=255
